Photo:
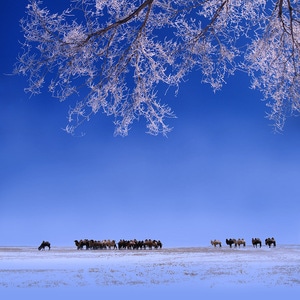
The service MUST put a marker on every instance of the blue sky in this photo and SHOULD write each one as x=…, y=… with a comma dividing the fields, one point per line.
x=221, y=172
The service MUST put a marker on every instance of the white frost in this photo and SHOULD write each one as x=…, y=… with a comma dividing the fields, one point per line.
x=187, y=268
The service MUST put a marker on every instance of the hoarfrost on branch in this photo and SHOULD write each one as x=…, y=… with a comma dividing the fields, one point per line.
x=114, y=56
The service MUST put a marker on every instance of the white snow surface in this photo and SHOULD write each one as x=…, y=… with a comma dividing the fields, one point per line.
x=66, y=271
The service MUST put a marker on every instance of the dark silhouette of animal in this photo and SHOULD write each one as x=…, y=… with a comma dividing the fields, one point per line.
x=43, y=245
x=159, y=244
x=240, y=242
x=230, y=242
x=270, y=241
x=216, y=242
x=256, y=242
x=135, y=244
x=82, y=243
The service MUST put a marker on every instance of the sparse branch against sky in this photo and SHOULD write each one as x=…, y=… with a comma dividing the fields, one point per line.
x=118, y=57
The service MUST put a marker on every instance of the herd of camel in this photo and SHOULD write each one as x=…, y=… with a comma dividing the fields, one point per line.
x=110, y=244
x=238, y=242
x=122, y=244
x=150, y=244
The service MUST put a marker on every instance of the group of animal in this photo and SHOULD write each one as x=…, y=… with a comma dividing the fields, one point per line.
x=122, y=244
x=238, y=242
x=111, y=244
x=134, y=244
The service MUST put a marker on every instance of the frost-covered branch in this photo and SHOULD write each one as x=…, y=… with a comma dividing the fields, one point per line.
x=274, y=59
x=118, y=56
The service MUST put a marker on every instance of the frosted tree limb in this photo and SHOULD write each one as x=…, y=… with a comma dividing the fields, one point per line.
x=117, y=56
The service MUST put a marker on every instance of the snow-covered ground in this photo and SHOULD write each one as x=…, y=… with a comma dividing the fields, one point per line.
x=165, y=272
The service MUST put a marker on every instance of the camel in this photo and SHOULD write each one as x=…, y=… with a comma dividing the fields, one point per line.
x=270, y=241
x=94, y=245
x=256, y=242
x=216, y=242
x=230, y=242
x=159, y=244
x=43, y=245
x=152, y=243
x=80, y=244
x=240, y=242
x=127, y=244
x=109, y=244
x=122, y=244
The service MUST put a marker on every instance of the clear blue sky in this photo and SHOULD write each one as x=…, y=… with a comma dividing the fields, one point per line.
x=221, y=172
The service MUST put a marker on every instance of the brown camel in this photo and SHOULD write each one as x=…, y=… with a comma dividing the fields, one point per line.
x=256, y=242
x=240, y=242
x=270, y=241
x=215, y=243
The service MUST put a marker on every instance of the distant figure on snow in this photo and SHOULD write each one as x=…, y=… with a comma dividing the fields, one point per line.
x=216, y=242
x=256, y=242
x=43, y=245
x=270, y=241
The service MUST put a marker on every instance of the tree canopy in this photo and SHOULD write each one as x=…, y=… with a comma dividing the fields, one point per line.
x=114, y=56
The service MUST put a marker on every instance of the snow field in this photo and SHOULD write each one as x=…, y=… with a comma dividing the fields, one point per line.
x=174, y=270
